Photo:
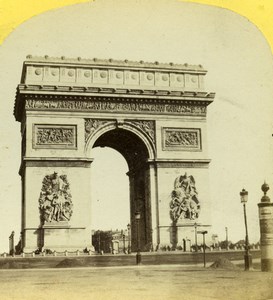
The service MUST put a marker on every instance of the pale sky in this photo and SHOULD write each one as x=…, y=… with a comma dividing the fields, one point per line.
x=239, y=64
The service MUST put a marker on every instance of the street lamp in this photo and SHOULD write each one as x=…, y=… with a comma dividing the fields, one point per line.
x=248, y=257
x=99, y=241
x=123, y=238
x=195, y=233
x=204, y=232
x=138, y=255
x=226, y=237
x=129, y=238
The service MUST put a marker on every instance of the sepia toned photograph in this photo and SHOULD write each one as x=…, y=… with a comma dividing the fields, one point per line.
x=136, y=154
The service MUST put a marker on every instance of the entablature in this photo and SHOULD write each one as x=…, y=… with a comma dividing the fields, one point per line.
x=111, y=85
x=107, y=104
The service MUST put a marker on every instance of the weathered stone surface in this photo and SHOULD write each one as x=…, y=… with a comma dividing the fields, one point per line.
x=153, y=114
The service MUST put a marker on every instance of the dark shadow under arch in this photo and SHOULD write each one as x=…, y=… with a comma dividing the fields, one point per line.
x=128, y=144
x=136, y=154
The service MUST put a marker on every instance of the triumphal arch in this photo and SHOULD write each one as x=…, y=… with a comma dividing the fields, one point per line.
x=154, y=114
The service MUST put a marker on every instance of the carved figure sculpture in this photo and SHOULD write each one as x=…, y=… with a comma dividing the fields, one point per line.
x=181, y=137
x=55, y=202
x=91, y=125
x=148, y=127
x=185, y=203
x=54, y=136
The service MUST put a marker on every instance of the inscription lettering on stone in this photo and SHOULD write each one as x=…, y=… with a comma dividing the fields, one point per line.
x=56, y=136
x=181, y=138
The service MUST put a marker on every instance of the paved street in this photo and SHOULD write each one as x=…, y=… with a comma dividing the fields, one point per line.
x=144, y=282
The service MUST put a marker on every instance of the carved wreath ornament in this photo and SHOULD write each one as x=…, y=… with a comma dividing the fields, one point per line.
x=55, y=202
x=184, y=203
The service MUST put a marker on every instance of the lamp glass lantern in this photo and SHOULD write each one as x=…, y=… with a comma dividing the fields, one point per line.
x=138, y=255
x=137, y=215
x=244, y=196
x=129, y=237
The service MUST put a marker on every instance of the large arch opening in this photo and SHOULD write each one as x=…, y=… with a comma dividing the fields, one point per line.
x=136, y=155
x=110, y=190
x=110, y=214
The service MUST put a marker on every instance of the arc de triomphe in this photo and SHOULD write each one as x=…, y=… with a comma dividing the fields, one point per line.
x=154, y=114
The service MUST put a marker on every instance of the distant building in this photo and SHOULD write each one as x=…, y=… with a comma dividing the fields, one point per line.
x=215, y=240
x=111, y=241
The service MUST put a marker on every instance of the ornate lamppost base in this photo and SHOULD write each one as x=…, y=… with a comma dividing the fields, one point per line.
x=248, y=262
x=138, y=258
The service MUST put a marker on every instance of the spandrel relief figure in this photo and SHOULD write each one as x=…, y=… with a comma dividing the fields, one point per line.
x=55, y=202
x=184, y=203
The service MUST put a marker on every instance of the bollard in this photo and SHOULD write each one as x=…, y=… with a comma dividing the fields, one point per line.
x=11, y=244
x=78, y=253
x=89, y=252
x=23, y=254
x=33, y=254
x=266, y=230
x=66, y=253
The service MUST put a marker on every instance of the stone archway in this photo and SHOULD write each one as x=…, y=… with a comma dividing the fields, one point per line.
x=135, y=152
x=153, y=114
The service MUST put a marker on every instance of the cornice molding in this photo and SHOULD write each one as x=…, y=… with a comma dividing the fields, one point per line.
x=89, y=91
x=47, y=60
x=62, y=79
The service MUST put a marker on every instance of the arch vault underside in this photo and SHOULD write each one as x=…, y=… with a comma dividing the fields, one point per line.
x=153, y=114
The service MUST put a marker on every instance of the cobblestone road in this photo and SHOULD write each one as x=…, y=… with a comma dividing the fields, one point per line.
x=143, y=282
